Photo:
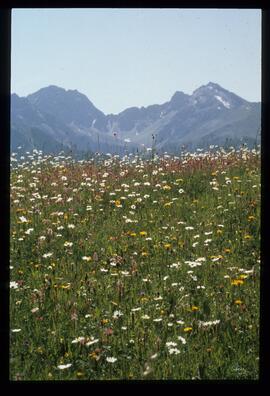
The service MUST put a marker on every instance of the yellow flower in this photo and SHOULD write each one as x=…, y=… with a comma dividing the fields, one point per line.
x=216, y=258
x=167, y=204
x=242, y=276
x=117, y=202
x=143, y=233
x=144, y=254
x=250, y=218
x=67, y=286
x=179, y=180
x=227, y=250
x=104, y=321
x=167, y=245
x=23, y=211
x=79, y=374
x=187, y=329
x=248, y=237
x=238, y=302
x=194, y=308
x=144, y=299
x=237, y=282
x=133, y=234
x=166, y=187
x=94, y=355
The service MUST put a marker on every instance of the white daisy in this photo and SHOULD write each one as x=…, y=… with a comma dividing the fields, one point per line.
x=111, y=359
x=64, y=366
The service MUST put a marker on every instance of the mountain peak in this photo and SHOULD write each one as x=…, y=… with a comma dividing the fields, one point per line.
x=178, y=94
x=211, y=86
x=70, y=106
x=212, y=92
x=178, y=99
x=51, y=88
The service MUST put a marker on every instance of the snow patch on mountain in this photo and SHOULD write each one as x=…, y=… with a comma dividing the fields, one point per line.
x=224, y=102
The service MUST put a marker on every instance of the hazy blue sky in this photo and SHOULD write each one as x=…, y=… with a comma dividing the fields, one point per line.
x=136, y=57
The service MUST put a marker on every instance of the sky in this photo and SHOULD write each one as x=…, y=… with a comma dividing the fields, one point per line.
x=121, y=58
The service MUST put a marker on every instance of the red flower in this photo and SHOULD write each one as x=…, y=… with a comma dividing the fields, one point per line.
x=108, y=331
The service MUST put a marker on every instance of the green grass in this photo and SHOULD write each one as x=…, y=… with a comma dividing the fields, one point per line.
x=166, y=283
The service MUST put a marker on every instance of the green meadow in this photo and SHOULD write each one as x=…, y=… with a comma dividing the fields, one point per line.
x=135, y=268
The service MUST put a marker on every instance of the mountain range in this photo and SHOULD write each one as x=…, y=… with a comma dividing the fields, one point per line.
x=54, y=119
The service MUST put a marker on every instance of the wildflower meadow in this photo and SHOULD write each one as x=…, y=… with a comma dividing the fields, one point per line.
x=135, y=268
